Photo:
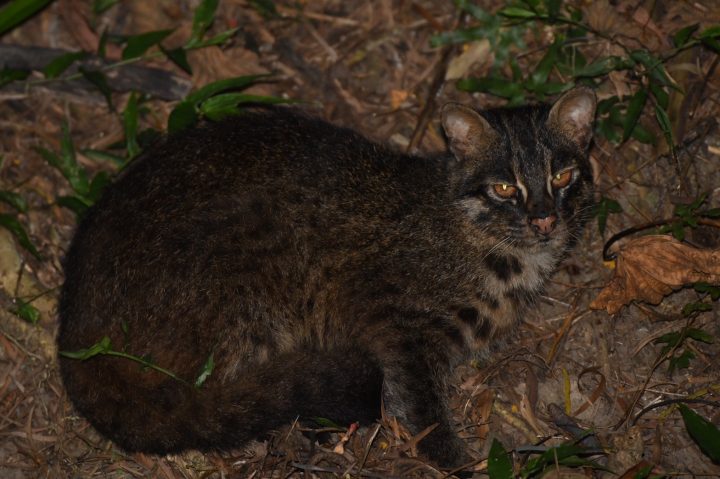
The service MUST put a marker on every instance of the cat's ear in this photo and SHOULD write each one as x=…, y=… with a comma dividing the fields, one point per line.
x=467, y=131
x=572, y=115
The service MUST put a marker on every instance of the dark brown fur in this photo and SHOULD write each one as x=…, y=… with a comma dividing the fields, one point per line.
x=321, y=271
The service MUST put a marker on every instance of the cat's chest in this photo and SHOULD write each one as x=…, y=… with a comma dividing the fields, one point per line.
x=506, y=286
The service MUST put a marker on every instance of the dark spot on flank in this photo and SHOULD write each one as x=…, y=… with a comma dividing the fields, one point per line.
x=483, y=328
x=468, y=315
x=449, y=330
x=489, y=300
x=503, y=266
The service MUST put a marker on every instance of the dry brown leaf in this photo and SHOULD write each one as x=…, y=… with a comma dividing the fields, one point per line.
x=651, y=267
x=474, y=56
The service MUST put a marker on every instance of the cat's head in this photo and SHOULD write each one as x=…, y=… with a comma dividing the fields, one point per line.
x=522, y=174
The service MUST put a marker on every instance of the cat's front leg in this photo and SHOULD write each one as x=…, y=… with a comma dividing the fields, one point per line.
x=416, y=367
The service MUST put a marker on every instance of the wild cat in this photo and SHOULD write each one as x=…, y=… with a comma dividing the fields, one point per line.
x=322, y=271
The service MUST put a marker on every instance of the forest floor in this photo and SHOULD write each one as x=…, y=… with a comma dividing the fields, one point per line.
x=371, y=66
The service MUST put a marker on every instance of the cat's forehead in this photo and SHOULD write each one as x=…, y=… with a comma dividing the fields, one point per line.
x=526, y=146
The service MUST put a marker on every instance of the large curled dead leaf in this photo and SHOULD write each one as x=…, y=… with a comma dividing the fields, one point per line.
x=651, y=267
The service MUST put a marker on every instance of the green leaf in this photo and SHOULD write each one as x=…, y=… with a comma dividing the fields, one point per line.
x=495, y=86
x=98, y=79
x=212, y=89
x=712, y=213
x=696, y=307
x=712, y=290
x=324, y=422
x=67, y=164
x=710, y=32
x=75, y=204
x=604, y=207
x=703, y=432
x=634, y=110
x=603, y=67
x=548, y=61
x=11, y=223
x=99, y=6
x=712, y=44
x=664, y=122
x=16, y=12
x=104, y=156
x=499, y=463
x=15, y=200
x=643, y=135
x=179, y=57
x=517, y=12
x=27, y=311
x=553, y=7
x=697, y=202
x=218, y=39
x=654, y=67
x=207, y=370
x=550, y=457
x=137, y=45
x=130, y=124
x=61, y=63
x=266, y=8
x=183, y=116
x=466, y=35
x=101, y=347
x=202, y=19
x=102, y=44
x=97, y=186
x=660, y=94
x=699, y=335
x=226, y=104
x=681, y=361
x=8, y=75
x=677, y=230
x=683, y=35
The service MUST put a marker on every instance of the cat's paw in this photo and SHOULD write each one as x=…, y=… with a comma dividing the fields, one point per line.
x=448, y=450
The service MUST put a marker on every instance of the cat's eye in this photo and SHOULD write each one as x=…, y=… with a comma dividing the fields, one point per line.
x=504, y=190
x=561, y=180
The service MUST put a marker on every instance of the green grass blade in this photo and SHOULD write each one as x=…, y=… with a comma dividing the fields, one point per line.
x=137, y=45
x=61, y=63
x=11, y=223
x=101, y=347
x=634, y=110
x=183, y=116
x=74, y=204
x=16, y=12
x=98, y=79
x=226, y=104
x=130, y=125
x=212, y=89
x=202, y=19
x=8, y=75
x=206, y=371
x=15, y=200
x=179, y=57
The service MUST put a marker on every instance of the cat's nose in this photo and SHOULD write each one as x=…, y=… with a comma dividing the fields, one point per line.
x=545, y=225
